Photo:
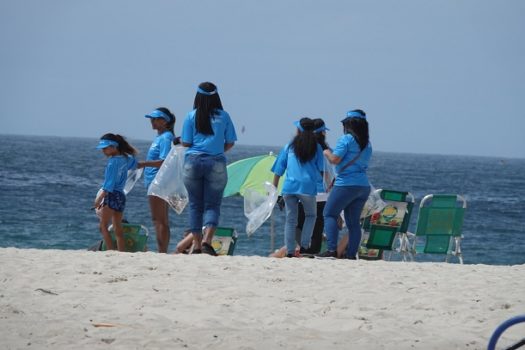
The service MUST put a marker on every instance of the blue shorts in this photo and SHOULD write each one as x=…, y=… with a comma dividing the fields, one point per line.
x=115, y=200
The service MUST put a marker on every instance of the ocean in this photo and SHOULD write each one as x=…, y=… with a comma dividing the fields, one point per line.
x=48, y=184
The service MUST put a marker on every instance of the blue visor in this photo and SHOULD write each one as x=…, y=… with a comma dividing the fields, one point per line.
x=158, y=114
x=204, y=92
x=321, y=129
x=106, y=143
x=353, y=114
x=297, y=123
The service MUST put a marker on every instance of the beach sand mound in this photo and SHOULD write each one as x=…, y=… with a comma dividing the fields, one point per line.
x=109, y=300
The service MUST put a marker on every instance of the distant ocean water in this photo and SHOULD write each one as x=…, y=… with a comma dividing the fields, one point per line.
x=47, y=186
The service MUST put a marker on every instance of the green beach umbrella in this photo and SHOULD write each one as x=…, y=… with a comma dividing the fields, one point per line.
x=250, y=173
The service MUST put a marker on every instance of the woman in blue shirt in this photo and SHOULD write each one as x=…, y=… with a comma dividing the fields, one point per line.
x=163, y=121
x=208, y=131
x=351, y=188
x=302, y=159
x=111, y=200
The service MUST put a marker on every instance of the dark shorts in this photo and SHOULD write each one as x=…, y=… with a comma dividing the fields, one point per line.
x=115, y=200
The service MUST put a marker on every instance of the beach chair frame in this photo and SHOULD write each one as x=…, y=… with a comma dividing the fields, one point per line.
x=439, y=226
x=381, y=231
x=135, y=237
x=224, y=240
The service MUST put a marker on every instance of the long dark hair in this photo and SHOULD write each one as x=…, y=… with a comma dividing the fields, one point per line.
x=123, y=146
x=171, y=124
x=320, y=136
x=358, y=128
x=206, y=104
x=304, y=144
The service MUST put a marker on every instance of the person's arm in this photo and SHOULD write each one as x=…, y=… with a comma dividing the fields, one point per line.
x=276, y=179
x=332, y=158
x=228, y=146
x=150, y=163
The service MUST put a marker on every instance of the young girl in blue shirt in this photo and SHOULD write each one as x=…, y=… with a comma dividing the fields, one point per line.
x=163, y=121
x=302, y=159
x=111, y=200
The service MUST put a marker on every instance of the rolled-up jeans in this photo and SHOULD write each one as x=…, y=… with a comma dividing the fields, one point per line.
x=351, y=200
x=205, y=178
x=310, y=213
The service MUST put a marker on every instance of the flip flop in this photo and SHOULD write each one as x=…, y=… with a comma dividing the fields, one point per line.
x=208, y=249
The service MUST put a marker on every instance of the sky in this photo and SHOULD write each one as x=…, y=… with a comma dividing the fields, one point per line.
x=434, y=77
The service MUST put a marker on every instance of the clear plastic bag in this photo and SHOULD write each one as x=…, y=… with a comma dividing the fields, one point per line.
x=133, y=176
x=258, y=207
x=168, y=184
x=328, y=175
x=374, y=203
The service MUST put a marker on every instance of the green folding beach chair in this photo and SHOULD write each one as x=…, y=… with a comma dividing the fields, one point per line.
x=224, y=240
x=382, y=230
x=135, y=238
x=439, y=225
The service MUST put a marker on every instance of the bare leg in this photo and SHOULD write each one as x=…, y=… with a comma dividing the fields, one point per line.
x=209, y=231
x=159, y=216
x=105, y=218
x=117, y=227
x=184, y=244
x=341, y=246
x=197, y=241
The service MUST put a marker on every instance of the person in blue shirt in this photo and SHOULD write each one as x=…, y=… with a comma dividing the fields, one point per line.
x=351, y=155
x=163, y=121
x=208, y=131
x=320, y=130
x=111, y=199
x=302, y=159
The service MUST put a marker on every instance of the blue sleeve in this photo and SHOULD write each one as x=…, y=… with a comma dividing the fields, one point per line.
x=164, y=147
x=341, y=147
x=187, y=130
x=280, y=164
x=110, y=176
x=230, y=136
x=132, y=162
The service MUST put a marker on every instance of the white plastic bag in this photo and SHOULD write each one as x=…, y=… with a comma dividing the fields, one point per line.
x=374, y=203
x=133, y=176
x=168, y=184
x=258, y=207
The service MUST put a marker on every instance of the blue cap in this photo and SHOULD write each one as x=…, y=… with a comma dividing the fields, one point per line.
x=158, y=114
x=353, y=114
x=103, y=143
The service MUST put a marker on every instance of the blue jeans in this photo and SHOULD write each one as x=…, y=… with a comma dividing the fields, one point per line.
x=205, y=178
x=351, y=200
x=310, y=213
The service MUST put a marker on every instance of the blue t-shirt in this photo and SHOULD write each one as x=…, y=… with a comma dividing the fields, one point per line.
x=158, y=150
x=355, y=175
x=223, y=129
x=116, y=173
x=301, y=178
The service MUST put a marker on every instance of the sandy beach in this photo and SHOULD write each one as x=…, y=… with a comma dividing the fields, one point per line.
x=109, y=300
